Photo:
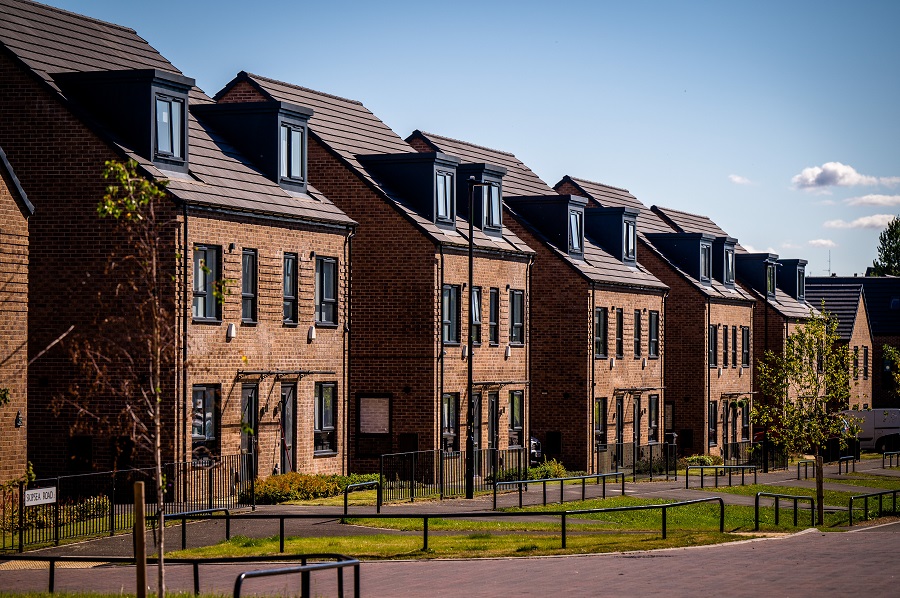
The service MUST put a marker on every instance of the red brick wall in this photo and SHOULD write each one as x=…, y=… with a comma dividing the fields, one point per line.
x=861, y=388
x=242, y=91
x=562, y=356
x=690, y=383
x=13, y=330
x=396, y=349
x=270, y=344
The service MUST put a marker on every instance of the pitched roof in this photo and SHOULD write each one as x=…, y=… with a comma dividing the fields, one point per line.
x=519, y=179
x=51, y=41
x=685, y=222
x=15, y=186
x=882, y=297
x=352, y=130
x=840, y=300
x=615, y=197
x=648, y=222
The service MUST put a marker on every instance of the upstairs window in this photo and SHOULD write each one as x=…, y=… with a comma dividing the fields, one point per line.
x=576, y=232
x=444, y=208
x=630, y=246
x=492, y=206
x=801, y=284
x=734, y=346
x=637, y=333
x=745, y=347
x=729, y=266
x=713, y=352
x=450, y=314
x=169, y=127
x=601, y=317
x=705, y=262
x=326, y=290
x=856, y=363
x=620, y=343
x=476, y=315
x=290, y=288
x=653, y=341
x=770, y=280
x=248, y=285
x=494, y=317
x=207, y=279
x=516, y=317
x=865, y=363
x=724, y=346
x=293, y=154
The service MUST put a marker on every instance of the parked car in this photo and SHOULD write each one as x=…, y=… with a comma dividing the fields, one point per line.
x=879, y=429
x=535, y=452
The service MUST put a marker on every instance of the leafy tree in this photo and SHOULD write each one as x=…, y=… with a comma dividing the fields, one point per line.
x=888, y=262
x=805, y=388
x=130, y=354
x=892, y=356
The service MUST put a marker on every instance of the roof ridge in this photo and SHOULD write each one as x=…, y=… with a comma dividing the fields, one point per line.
x=470, y=144
x=683, y=212
x=575, y=178
x=80, y=16
x=315, y=91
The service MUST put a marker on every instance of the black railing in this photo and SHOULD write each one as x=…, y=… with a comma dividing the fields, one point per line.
x=889, y=455
x=866, y=497
x=419, y=474
x=598, y=477
x=359, y=486
x=792, y=497
x=645, y=460
x=194, y=562
x=102, y=503
x=341, y=562
x=729, y=469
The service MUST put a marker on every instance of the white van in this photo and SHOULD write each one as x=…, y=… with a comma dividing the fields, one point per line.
x=879, y=429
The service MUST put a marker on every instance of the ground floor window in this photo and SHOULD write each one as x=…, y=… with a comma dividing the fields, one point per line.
x=653, y=420
x=450, y=422
x=325, y=432
x=713, y=417
x=600, y=422
x=205, y=421
x=516, y=418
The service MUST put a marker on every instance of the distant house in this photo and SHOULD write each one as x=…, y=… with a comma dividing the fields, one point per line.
x=15, y=211
x=410, y=325
x=708, y=321
x=258, y=277
x=596, y=332
x=847, y=303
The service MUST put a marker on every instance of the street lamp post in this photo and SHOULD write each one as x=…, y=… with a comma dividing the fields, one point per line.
x=470, y=412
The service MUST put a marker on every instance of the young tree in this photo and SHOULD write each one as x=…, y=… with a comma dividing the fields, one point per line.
x=892, y=357
x=130, y=355
x=888, y=262
x=805, y=388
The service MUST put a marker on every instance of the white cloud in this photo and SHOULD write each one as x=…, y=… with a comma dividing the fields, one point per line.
x=874, y=200
x=789, y=245
x=835, y=174
x=752, y=249
x=821, y=243
x=876, y=221
x=739, y=180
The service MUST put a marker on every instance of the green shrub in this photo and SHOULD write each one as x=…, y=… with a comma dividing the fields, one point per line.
x=301, y=486
x=699, y=460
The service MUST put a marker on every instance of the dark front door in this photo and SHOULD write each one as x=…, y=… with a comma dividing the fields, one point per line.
x=476, y=435
x=288, y=428
x=249, y=411
x=620, y=429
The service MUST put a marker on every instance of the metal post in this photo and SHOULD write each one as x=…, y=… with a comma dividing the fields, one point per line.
x=425, y=533
x=112, y=508
x=196, y=567
x=281, y=534
x=21, y=516
x=664, y=522
x=563, y=529
x=183, y=533
x=140, y=552
x=52, y=576
x=56, y=515
x=470, y=411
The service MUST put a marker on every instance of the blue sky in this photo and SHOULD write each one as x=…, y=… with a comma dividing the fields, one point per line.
x=779, y=120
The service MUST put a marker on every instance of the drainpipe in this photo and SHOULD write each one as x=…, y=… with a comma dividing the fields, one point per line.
x=708, y=373
x=440, y=345
x=593, y=426
x=526, y=432
x=662, y=366
x=346, y=354
x=184, y=336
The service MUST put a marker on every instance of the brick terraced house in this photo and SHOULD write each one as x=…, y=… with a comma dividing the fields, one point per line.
x=847, y=303
x=15, y=211
x=410, y=283
x=882, y=301
x=708, y=386
x=596, y=332
x=261, y=372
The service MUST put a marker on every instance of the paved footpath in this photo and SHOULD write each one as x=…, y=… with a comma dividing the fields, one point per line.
x=810, y=563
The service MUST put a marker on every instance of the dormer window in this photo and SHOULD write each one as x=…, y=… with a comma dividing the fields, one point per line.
x=630, y=247
x=729, y=266
x=770, y=280
x=705, y=262
x=492, y=208
x=293, y=155
x=576, y=231
x=169, y=127
x=801, y=284
x=444, y=208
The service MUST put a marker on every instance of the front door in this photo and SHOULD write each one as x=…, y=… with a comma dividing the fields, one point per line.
x=249, y=411
x=476, y=432
x=493, y=439
x=620, y=429
x=288, y=427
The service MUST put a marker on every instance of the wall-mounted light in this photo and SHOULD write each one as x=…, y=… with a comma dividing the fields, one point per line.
x=311, y=334
x=740, y=372
x=612, y=362
x=507, y=352
x=465, y=351
x=19, y=422
x=644, y=363
x=230, y=332
x=231, y=247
